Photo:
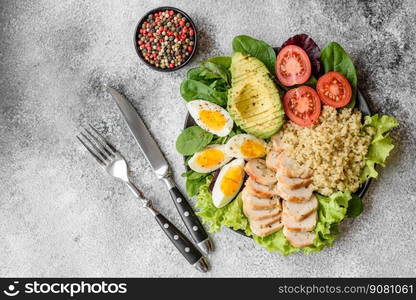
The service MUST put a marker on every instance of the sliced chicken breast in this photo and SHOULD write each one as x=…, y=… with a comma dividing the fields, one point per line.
x=293, y=183
x=271, y=160
x=266, y=222
x=306, y=224
x=277, y=144
x=300, y=211
x=272, y=228
x=290, y=168
x=257, y=169
x=260, y=214
x=299, y=239
x=300, y=195
x=260, y=190
x=278, y=201
x=257, y=203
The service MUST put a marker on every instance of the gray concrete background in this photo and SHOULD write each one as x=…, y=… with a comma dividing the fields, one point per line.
x=60, y=215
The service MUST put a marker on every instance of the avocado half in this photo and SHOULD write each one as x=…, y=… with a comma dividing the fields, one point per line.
x=253, y=99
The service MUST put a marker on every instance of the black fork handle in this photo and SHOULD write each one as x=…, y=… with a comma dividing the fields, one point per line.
x=180, y=241
x=191, y=221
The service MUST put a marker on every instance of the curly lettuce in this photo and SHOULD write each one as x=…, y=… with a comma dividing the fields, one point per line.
x=230, y=215
x=380, y=146
x=332, y=210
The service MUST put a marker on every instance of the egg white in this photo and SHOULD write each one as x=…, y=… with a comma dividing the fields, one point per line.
x=193, y=163
x=218, y=198
x=194, y=107
x=233, y=146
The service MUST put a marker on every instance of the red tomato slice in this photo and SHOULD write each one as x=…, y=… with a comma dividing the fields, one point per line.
x=334, y=89
x=302, y=105
x=293, y=66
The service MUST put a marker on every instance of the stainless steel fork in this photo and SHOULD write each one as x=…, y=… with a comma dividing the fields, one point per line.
x=115, y=165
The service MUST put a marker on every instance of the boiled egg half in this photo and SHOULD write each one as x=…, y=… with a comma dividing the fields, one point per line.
x=209, y=159
x=228, y=183
x=246, y=146
x=211, y=117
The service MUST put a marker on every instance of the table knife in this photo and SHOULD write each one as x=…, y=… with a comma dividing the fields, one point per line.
x=162, y=170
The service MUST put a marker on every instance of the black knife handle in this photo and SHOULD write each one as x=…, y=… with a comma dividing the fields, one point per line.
x=188, y=250
x=188, y=216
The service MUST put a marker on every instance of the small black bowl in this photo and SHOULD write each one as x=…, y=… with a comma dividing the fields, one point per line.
x=163, y=8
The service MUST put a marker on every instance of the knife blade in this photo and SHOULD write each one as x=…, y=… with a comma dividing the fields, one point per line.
x=142, y=136
x=160, y=166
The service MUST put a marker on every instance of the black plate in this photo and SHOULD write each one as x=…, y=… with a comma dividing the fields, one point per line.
x=360, y=103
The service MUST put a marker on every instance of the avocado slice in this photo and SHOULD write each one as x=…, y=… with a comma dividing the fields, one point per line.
x=253, y=99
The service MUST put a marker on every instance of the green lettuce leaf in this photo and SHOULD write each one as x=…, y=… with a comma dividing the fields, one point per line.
x=276, y=242
x=332, y=210
x=230, y=215
x=380, y=146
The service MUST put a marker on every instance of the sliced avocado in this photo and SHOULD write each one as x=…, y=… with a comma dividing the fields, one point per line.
x=253, y=99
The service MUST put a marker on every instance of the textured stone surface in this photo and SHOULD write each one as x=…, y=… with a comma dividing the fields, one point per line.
x=60, y=215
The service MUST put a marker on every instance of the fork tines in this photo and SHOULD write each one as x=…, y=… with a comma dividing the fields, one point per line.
x=97, y=145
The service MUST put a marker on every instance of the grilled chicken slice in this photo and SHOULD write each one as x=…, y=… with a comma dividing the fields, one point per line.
x=278, y=201
x=261, y=214
x=260, y=190
x=300, y=195
x=299, y=239
x=271, y=160
x=254, y=215
x=290, y=168
x=271, y=228
x=292, y=183
x=306, y=224
x=257, y=169
x=277, y=144
x=257, y=203
x=300, y=211
x=266, y=222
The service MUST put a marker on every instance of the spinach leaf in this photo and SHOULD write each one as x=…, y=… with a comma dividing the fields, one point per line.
x=219, y=85
x=192, y=185
x=195, y=175
x=224, y=61
x=256, y=48
x=201, y=74
x=194, y=73
x=311, y=82
x=225, y=139
x=334, y=58
x=193, y=139
x=193, y=181
x=355, y=207
x=218, y=70
x=187, y=173
x=193, y=90
x=210, y=81
x=208, y=78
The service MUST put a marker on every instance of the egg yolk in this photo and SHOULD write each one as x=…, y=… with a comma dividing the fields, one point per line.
x=212, y=119
x=210, y=157
x=231, y=181
x=252, y=149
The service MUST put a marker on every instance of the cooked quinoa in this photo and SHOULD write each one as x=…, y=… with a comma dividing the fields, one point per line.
x=333, y=148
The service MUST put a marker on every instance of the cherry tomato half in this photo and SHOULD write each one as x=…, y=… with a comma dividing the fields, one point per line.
x=293, y=66
x=302, y=105
x=334, y=89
